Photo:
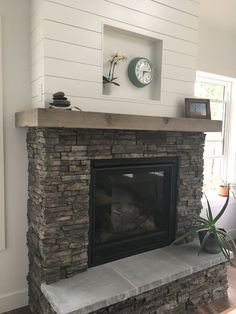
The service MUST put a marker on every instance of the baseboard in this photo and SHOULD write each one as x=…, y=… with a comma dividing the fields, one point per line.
x=13, y=300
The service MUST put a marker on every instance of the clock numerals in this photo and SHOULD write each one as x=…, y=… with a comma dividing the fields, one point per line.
x=140, y=72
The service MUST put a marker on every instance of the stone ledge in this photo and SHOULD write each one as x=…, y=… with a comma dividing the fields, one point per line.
x=117, y=281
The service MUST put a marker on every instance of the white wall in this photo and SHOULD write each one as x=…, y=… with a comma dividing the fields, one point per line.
x=16, y=97
x=217, y=50
x=2, y=203
x=67, y=50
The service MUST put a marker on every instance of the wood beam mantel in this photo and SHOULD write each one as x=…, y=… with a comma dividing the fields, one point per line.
x=58, y=118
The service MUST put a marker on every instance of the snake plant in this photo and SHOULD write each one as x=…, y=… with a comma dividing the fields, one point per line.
x=208, y=225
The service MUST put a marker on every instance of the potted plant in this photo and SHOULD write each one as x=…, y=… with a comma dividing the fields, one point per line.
x=109, y=80
x=224, y=189
x=212, y=238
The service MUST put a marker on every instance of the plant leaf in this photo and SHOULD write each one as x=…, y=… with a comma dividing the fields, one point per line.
x=204, y=229
x=234, y=195
x=227, y=245
x=209, y=212
x=230, y=242
x=115, y=83
x=105, y=79
x=223, y=246
x=185, y=235
x=222, y=210
x=203, y=220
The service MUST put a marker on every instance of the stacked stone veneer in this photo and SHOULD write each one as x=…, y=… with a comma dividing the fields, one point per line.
x=59, y=184
x=178, y=297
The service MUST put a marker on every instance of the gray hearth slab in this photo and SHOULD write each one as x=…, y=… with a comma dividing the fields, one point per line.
x=188, y=253
x=96, y=288
x=151, y=269
x=108, y=284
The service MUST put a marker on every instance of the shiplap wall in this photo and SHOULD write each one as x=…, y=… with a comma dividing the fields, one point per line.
x=67, y=40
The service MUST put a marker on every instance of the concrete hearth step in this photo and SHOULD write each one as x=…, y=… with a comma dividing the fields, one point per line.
x=117, y=281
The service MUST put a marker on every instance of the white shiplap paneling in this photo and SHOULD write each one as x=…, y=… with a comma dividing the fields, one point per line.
x=73, y=35
x=178, y=59
x=176, y=86
x=187, y=6
x=178, y=73
x=37, y=35
x=69, y=57
x=127, y=16
x=37, y=70
x=107, y=104
x=72, y=87
x=70, y=52
x=70, y=16
x=37, y=52
x=72, y=70
x=37, y=13
x=92, y=22
x=163, y=12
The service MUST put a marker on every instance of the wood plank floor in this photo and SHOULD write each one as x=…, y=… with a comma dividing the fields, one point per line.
x=214, y=308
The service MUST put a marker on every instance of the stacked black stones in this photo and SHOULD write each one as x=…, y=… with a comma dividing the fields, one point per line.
x=59, y=100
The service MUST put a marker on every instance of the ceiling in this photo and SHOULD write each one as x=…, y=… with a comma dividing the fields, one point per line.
x=221, y=14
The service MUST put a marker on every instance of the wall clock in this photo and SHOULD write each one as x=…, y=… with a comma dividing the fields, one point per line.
x=140, y=71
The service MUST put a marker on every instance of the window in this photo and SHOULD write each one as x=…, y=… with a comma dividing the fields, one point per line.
x=215, y=155
x=2, y=208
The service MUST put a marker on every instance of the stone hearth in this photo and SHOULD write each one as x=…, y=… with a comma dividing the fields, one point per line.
x=171, y=280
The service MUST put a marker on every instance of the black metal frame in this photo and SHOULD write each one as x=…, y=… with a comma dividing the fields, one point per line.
x=108, y=252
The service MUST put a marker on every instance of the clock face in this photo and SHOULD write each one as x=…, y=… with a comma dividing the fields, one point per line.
x=140, y=72
x=143, y=71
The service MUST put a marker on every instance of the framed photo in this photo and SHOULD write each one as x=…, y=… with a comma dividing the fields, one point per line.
x=197, y=108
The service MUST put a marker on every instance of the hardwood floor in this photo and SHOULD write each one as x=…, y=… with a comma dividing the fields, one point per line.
x=216, y=307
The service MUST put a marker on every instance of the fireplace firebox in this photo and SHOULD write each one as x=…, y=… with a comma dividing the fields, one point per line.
x=132, y=206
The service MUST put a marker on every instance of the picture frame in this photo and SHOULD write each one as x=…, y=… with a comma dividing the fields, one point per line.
x=197, y=108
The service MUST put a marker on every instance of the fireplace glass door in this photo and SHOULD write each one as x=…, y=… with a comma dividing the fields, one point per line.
x=133, y=204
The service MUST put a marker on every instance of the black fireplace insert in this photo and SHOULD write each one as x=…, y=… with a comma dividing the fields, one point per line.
x=132, y=206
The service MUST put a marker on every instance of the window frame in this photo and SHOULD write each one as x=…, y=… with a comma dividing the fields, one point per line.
x=227, y=82
x=2, y=201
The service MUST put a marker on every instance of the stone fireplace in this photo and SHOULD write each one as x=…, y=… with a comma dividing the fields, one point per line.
x=59, y=189
x=96, y=195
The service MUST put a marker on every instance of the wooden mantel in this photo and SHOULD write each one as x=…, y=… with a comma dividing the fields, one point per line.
x=58, y=118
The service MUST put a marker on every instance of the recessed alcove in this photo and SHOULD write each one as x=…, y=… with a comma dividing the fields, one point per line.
x=133, y=45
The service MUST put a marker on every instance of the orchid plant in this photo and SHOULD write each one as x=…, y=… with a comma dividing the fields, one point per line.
x=115, y=59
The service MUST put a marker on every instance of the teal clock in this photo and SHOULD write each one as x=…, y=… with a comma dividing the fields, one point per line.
x=140, y=71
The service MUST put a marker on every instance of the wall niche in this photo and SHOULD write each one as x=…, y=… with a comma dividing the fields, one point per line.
x=133, y=45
